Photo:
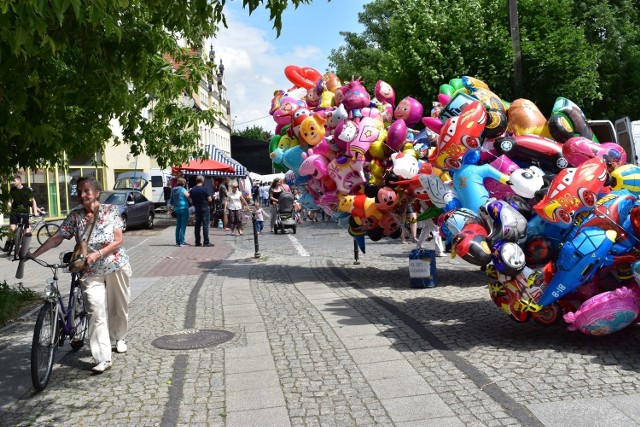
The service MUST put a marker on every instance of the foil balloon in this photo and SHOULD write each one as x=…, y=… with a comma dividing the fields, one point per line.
x=506, y=166
x=524, y=118
x=504, y=221
x=605, y=313
x=578, y=150
x=410, y=110
x=471, y=244
x=312, y=129
x=527, y=148
x=459, y=135
x=579, y=259
x=385, y=93
x=397, y=134
x=571, y=190
x=567, y=120
x=355, y=97
x=305, y=77
x=627, y=177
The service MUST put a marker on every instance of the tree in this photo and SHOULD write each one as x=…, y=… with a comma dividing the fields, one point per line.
x=71, y=67
x=254, y=132
x=585, y=51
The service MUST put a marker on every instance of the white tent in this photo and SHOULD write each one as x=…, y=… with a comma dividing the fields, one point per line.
x=265, y=178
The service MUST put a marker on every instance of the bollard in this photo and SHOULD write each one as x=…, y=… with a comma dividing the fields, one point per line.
x=255, y=235
x=356, y=254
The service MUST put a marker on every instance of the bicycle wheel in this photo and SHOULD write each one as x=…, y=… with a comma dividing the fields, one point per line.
x=47, y=230
x=80, y=321
x=17, y=243
x=44, y=345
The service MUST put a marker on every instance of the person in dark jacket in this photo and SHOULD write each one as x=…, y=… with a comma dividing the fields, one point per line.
x=200, y=198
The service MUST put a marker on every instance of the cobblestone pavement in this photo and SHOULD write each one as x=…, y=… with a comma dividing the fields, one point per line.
x=319, y=340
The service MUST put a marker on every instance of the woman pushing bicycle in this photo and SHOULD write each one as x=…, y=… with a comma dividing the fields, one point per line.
x=107, y=271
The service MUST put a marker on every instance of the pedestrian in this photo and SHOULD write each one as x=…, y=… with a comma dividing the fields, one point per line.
x=22, y=202
x=223, y=190
x=264, y=194
x=411, y=218
x=180, y=203
x=259, y=217
x=255, y=192
x=235, y=203
x=200, y=199
x=106, y=279
x=274, y=193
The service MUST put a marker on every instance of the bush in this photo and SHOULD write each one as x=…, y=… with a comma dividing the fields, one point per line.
x=13, y=299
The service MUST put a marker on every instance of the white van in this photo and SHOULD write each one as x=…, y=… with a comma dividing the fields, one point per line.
x=160, y=186
x=158, y=179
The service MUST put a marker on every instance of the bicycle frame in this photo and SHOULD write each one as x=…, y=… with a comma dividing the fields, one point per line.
x=64, y=314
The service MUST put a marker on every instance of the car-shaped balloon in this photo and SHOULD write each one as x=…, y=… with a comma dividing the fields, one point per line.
x=459, y=135
x=532, y=148
x=571, y=190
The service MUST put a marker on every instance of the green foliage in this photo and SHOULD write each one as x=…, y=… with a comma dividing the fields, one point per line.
x=254, y=132
x=69, y=68
x=584, y=50
x=13, y=299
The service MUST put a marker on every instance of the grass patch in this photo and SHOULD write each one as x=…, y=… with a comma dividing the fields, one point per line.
x=13, y=299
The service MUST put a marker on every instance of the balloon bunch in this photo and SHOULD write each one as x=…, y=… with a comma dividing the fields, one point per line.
x=549, y=211
x=560, y=240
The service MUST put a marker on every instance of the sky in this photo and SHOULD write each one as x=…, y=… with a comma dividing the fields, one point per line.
x=254, y=59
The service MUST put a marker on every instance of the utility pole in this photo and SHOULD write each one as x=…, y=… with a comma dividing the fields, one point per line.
x=514, y=28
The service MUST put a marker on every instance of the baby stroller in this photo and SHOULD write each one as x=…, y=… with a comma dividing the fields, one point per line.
x=286, y=213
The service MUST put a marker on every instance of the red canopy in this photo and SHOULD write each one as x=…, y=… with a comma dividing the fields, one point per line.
x=203, y=166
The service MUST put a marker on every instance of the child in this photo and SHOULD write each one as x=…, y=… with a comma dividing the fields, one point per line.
x=259, y=217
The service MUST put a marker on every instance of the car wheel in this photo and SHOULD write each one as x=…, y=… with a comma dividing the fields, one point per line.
x=563, y=216
x=506, y=145
x=124, y=223
x=150, y=220
x=587, y=197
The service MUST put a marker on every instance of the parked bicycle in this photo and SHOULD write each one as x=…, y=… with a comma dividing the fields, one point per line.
x=42, y=228
x=56, y=322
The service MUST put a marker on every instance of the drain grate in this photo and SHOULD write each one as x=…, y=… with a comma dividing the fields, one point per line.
x=193, y=339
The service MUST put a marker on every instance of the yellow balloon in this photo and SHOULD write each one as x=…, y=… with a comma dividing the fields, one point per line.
x=377, y=150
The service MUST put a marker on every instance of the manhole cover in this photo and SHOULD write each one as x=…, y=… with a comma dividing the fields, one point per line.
x=192, y=339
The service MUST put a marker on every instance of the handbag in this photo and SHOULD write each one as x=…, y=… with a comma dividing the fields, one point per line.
x=81, y=251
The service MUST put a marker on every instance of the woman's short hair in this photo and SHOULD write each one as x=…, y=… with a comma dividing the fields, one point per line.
x=181, y=182
x=91, y=181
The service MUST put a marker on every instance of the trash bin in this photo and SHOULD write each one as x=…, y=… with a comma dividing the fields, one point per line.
x=422, y=268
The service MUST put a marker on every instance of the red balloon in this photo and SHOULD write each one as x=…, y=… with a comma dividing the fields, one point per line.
x=305, y=77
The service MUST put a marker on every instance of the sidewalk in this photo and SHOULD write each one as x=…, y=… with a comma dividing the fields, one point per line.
x=319, y=340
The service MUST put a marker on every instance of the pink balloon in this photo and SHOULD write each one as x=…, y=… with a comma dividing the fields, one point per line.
x=579, y=149
x=605, y=313
x=506, y=166
x=397, y=134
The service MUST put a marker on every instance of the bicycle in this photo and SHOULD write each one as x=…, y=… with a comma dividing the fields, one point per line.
x=55, y=321
x=44, y=230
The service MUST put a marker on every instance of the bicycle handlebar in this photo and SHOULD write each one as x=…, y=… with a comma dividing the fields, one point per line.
x=24, y=256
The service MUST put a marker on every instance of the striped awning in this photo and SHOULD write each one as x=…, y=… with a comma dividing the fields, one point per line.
x=216, y=154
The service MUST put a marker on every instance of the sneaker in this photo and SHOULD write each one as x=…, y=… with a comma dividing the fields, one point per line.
x=101, y=367
x=121, y=346
x=198, y=244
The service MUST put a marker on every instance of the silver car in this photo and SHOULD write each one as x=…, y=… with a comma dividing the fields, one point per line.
x=135, y=209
